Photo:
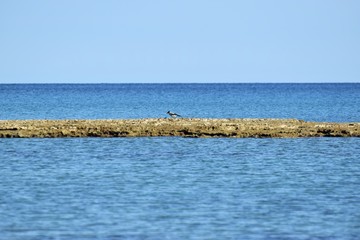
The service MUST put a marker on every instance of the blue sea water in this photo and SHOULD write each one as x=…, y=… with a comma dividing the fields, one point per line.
x=180, y=188
x=312, y=102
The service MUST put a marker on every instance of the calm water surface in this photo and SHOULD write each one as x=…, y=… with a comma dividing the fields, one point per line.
x=312, y=102
x=180, y=188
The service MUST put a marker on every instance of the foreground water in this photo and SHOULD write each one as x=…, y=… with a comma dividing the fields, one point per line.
x=176, y=188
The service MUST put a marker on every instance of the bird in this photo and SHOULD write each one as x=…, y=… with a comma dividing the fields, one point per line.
x=173, y=115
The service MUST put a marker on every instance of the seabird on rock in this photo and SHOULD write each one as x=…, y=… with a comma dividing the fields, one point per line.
x=173, y=115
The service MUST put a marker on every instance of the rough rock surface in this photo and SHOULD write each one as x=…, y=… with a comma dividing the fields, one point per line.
x=183, y=127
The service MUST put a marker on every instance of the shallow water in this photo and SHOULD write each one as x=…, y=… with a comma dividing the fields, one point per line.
x=180, y=188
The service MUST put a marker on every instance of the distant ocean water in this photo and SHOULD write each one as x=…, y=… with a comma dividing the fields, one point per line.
x=313, y=102
x=180, y=188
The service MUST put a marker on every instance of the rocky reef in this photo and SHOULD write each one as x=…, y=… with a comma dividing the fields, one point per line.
x=182, y=127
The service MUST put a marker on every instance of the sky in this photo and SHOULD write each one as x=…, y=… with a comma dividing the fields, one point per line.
x=179, y=41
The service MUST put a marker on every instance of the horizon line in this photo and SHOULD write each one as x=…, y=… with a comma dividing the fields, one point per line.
x=108, y=83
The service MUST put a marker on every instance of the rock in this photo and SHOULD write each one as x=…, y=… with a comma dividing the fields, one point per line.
x=183, y=127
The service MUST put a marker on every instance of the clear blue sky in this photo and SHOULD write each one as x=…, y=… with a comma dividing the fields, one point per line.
x=118, y=41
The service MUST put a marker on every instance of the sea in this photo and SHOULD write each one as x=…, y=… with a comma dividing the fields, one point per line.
x=180, y=188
